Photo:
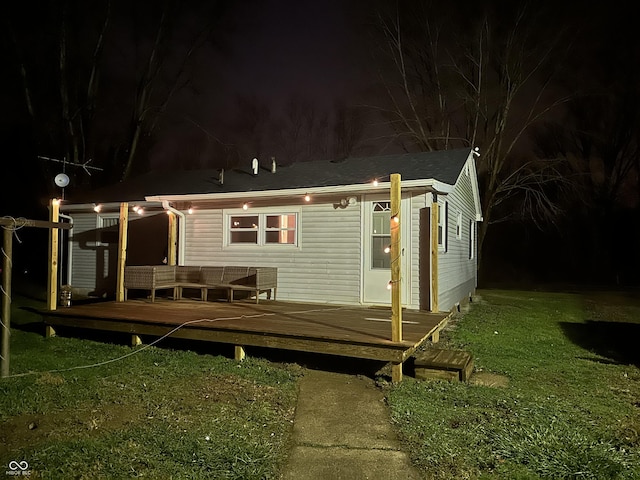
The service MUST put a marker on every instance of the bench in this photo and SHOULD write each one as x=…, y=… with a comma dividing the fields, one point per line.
x=254, y=280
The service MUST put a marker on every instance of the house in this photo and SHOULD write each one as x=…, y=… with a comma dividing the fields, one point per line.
x=324, y=224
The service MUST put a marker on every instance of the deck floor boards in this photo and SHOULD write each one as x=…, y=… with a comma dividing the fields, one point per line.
x=344, y=330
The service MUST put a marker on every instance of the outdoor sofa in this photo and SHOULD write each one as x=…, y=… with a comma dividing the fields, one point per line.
x=254, y=280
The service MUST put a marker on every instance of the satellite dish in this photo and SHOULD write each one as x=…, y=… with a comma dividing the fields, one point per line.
x=62, y=180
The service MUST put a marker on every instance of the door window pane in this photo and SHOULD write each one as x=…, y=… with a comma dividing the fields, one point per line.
x=380, y=259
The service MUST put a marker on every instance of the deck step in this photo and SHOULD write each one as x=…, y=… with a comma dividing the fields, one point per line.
x=440, y=364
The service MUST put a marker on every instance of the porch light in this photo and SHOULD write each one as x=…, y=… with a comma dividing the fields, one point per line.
x=97, y=208
x=245, y=206
x=190, y=211
x=307, y=197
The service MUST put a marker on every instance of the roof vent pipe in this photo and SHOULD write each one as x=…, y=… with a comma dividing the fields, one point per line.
x=273, y=164
x=221, y=177
x=254, y=166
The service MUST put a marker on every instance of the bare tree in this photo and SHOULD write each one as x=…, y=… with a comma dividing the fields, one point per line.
x=484, y=84
x=348, y=130
x=106, y=91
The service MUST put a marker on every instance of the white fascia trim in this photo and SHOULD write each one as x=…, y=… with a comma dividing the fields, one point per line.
x=108, y=207
x=439, y=187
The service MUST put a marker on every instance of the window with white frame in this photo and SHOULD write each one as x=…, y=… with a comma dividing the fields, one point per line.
x=262, y=228
x=459, y=226
x=442, y=225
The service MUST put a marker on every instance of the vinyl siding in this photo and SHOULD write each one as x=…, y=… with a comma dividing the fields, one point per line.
x=324, y=266
x=94, y=264
x=457, y=274
x=87, y=255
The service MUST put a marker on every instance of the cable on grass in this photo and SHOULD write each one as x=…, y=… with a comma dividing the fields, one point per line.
x=158, y=340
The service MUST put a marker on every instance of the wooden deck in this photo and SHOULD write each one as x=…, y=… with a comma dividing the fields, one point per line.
x=339, y=330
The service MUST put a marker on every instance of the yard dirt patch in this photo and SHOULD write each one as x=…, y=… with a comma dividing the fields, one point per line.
x=193, y=395
x=32, y=429
x=488, y=379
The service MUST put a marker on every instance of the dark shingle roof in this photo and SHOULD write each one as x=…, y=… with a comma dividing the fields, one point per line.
x=444, y=166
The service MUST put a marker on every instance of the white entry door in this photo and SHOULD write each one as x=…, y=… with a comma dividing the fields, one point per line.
x=376, y=262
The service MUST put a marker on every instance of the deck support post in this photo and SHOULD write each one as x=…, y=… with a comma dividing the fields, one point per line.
x=396, y=261
x=172, y=248
x=135, y=340
x=49, y=331
x=435, y=336
x=52, y=278
x=239, y=353
x=122, y=250
x=7, y=251
x=396, y=372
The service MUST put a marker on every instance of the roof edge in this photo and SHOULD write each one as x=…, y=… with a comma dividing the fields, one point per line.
x=435, y=185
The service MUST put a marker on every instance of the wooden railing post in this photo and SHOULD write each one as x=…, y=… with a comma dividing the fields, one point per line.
x=52, y=278
x=396, y=269
x=122, y=250
x=7, y=250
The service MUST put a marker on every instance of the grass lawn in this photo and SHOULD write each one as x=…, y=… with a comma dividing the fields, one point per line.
x=571, y=409
x=159, y=413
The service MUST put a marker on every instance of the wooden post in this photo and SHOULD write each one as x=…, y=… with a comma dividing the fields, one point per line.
x=7, y=250
x=239, y=353
x=122, y=250
x=434, y=257
x=396, y=270
x=172, y=246
x=52, y=279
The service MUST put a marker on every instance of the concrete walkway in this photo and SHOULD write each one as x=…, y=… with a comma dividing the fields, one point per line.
x=342, y=430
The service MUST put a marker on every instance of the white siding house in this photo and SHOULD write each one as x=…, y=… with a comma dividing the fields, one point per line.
x=324, y=225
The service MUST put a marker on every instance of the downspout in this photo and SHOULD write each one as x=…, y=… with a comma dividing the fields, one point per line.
x=69, y=246
x=182, y=225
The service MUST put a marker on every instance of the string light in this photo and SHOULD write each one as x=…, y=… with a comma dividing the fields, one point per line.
x=307, y=197
x=190, y=211
x=387, y=249
x=390, y=284
x=97, y=208
x=136, y=208
x=395, y=219
x=375, y=182
x=245, y=206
